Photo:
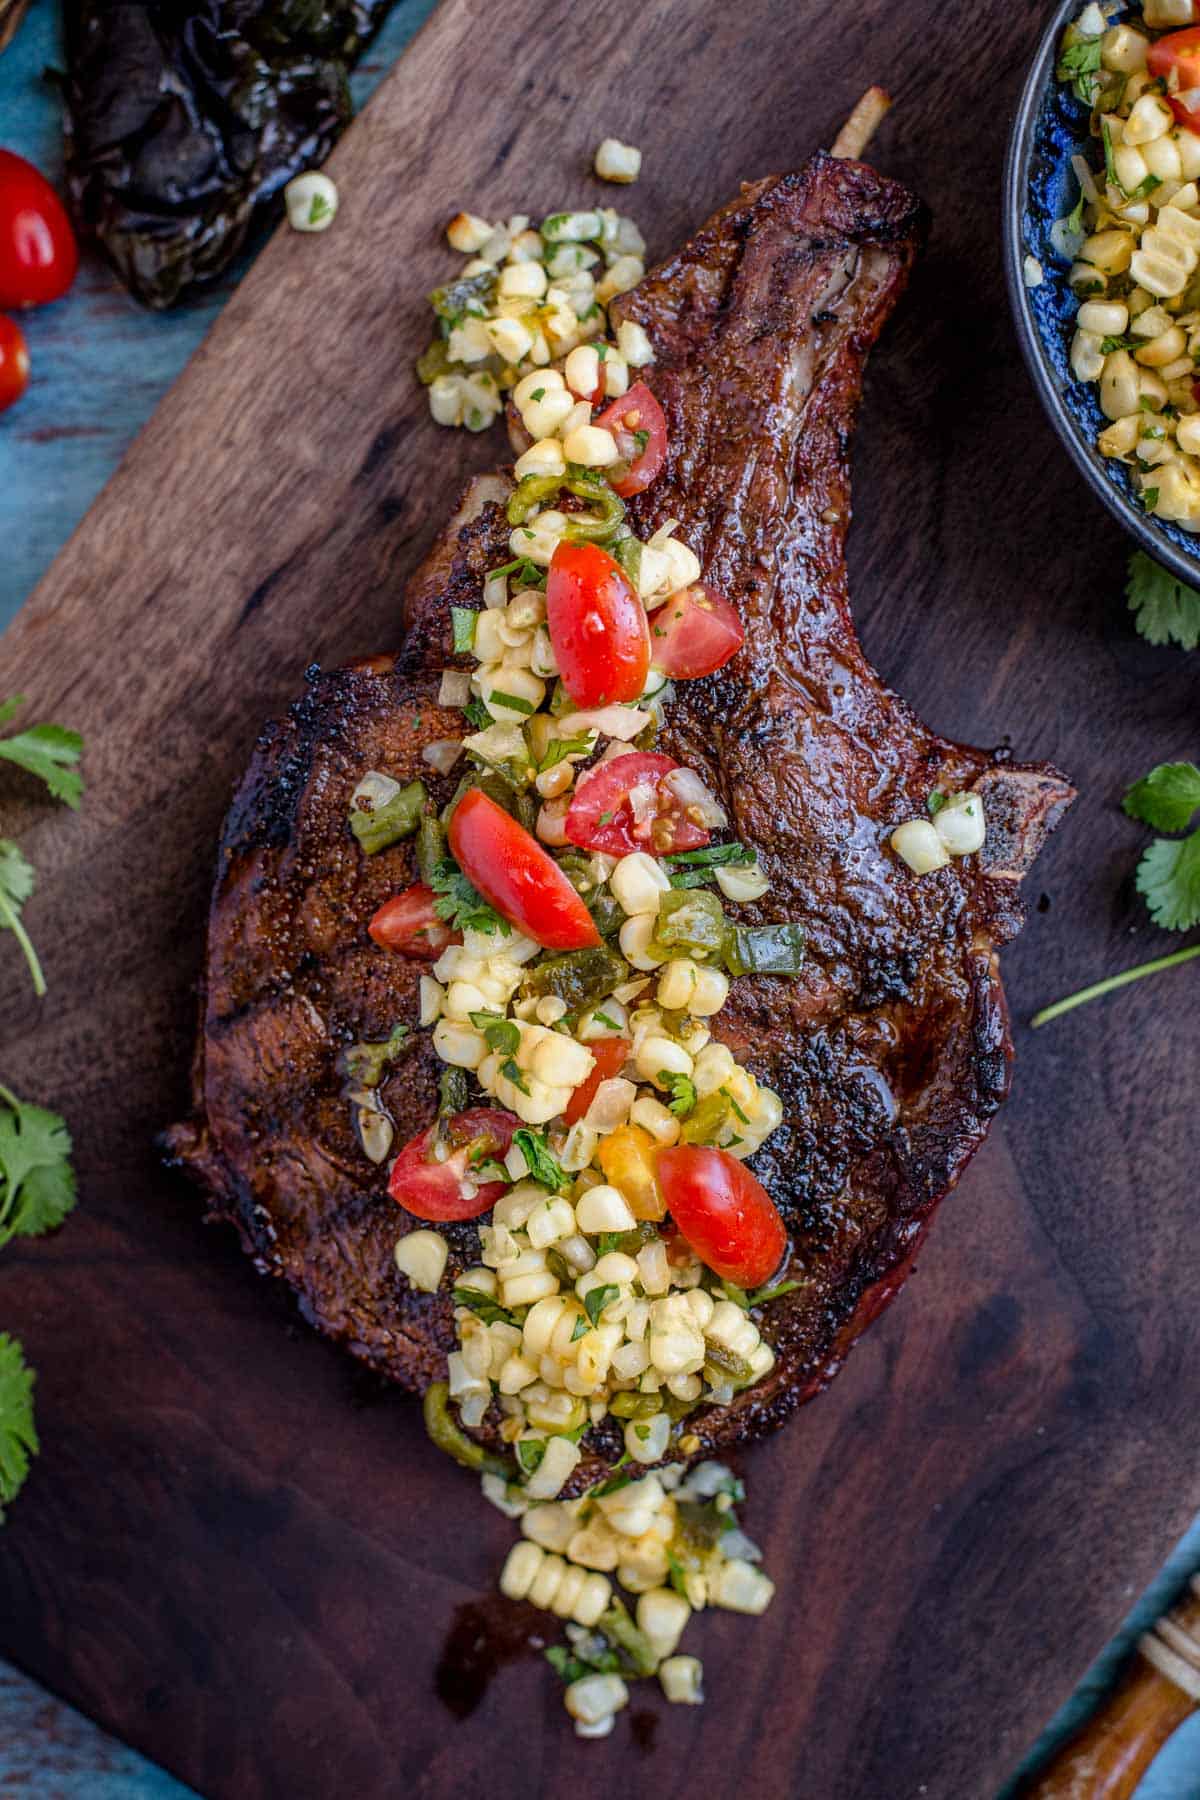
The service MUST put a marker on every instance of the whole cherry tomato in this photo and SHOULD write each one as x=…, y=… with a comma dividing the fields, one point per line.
x=38, y=253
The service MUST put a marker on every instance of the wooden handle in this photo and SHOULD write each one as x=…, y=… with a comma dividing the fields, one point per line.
x=1108, y=1756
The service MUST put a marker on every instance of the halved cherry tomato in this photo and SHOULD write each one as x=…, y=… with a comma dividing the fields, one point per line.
x=695, y=633
x=516, y=876
x=1175, y=59
x=14, y=362
x=611, y=1054
x=38, y=254
x=636, y=412
x=724, y=1212
x=622, y=806
x=408, y=922
x=435, y=1190
x=597, y=626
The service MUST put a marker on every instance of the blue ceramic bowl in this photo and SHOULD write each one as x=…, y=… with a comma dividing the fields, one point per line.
x=1040, y=187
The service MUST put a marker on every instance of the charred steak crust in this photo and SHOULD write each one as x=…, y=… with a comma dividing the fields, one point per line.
x=890, y=1053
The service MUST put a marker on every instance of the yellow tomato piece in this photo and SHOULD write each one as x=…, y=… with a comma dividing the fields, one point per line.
x=627, y=1156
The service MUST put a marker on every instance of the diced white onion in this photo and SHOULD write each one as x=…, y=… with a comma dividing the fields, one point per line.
x=620, y=722
x=442, y=754
x=455, y=689
x=691, y=793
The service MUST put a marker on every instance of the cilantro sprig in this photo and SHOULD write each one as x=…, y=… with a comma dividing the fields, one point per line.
x=37, y=1183
x=460, y=905
x=18, y=1433
x=1168, y=875
x=37, y=1191
x=50, y=753
x=1167, y=610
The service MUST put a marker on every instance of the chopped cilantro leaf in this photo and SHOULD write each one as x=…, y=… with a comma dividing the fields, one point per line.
x=597, y=1298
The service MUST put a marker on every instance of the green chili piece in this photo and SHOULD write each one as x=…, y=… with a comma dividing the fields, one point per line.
x=432, y=848
x=764, y=949
x=365, y=1063
x=459, y=297
x=453, y=1093
x=516, y=801
x=579, y=977
x=628, y=552
x=433, y=362
x=727, y=1363
x=617, y=1626
x=691, y=922
x=445, y=1431
x=635, y=1406
x=608, y=915
x=628, y=1242
x=385, y=826
x=529, y=492
x=590, y=528
x=705, y=1123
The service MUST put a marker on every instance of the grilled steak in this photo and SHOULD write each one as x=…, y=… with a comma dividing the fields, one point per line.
x=890, y=1053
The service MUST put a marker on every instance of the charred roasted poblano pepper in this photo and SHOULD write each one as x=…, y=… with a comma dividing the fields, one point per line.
x=446, y=1432
x=387, y=824
x=579, y=978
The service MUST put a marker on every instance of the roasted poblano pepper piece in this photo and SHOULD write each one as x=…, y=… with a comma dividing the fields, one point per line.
x=446, y=1432
x=706, y=1121
x=518, y=802
x=529, y=492
x=691, y=922
x=628, y=552
x=617, y=1626
x=589, y=527
x=453, y=1093
x=365, y=1063
x=470, y=293
x=387, y=824
x=764, y=949
x=727, y=1363
x=579, y=978
x=432, y=847
x=433, y=362
x=635, y=1406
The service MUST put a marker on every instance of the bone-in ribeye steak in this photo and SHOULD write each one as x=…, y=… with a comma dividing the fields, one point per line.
x=891, y=1051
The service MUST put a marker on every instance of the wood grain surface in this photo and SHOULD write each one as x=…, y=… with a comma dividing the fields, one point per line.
x=235, y=1553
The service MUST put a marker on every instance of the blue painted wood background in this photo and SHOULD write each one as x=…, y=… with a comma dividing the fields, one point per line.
x=100, y=364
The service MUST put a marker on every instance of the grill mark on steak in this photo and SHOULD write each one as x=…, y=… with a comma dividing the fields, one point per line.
x=891, y=1051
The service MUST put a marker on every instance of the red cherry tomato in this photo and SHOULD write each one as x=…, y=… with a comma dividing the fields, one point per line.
x=633, y=413
x=724, y=1212
x=695, y=633
x=430, y=1189
x=1175, y=59
x=408, y=923
x=623, y=805
x=516, y=876
x=597, y=626
x=38, y=254
x=611, y=1054
x=14, y=362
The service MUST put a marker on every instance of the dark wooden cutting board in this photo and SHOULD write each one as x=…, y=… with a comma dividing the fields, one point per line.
x=233, y=1552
